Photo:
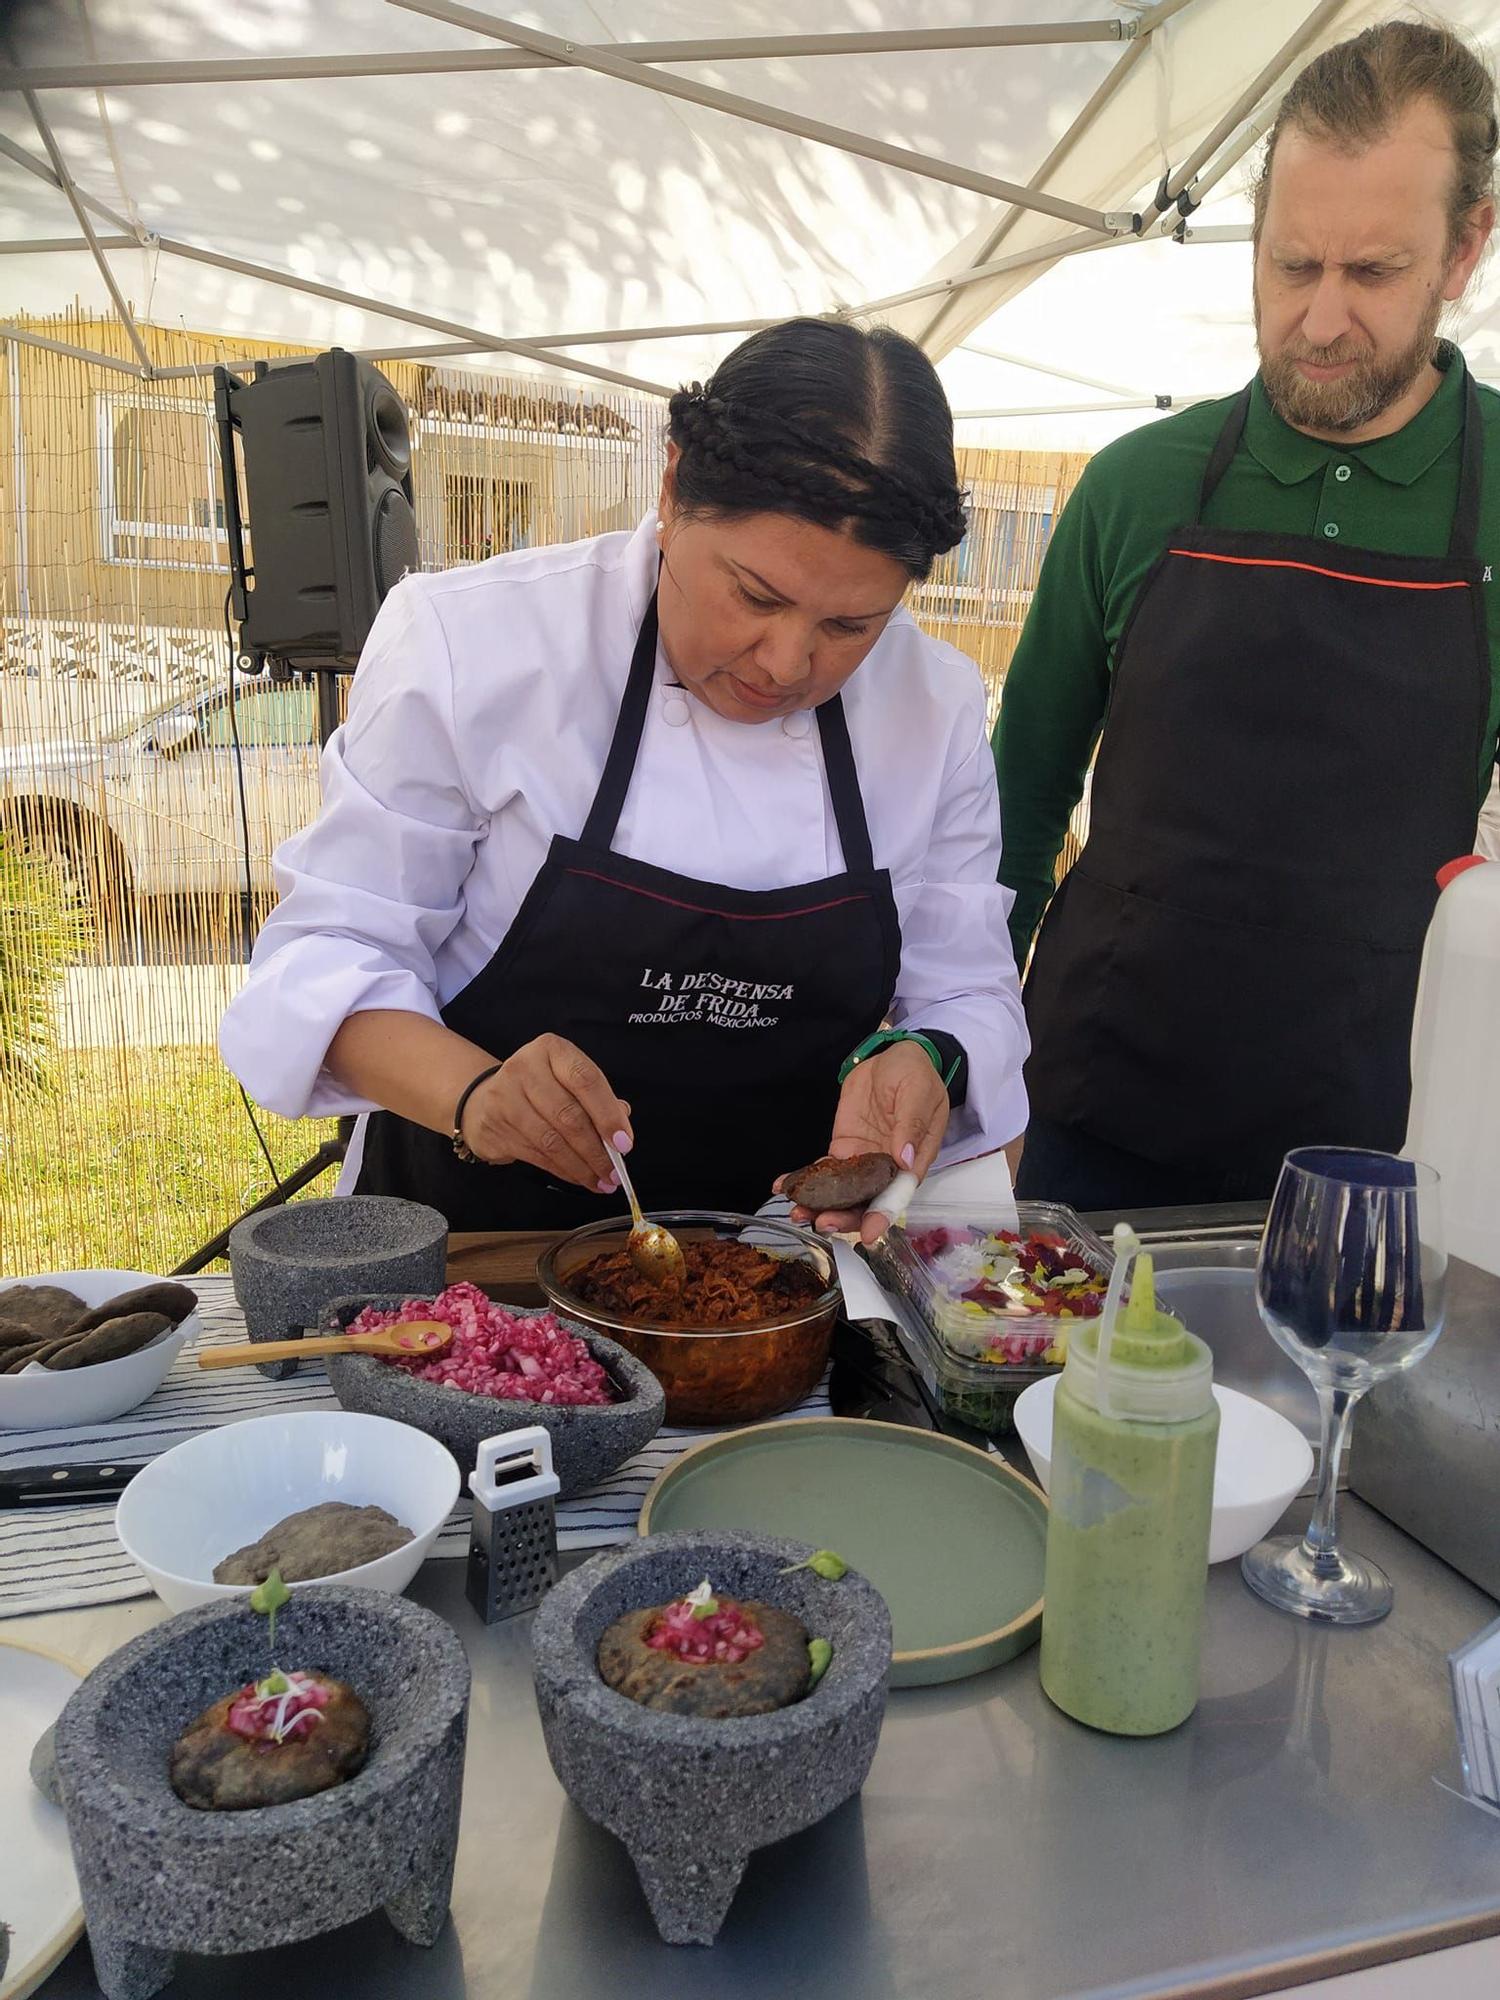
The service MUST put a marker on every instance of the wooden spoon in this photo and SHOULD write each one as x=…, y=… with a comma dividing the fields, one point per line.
x=406, y=1338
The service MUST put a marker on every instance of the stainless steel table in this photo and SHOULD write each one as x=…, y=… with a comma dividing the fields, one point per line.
x=999, y=1851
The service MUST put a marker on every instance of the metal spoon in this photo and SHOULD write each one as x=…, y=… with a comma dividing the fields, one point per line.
x=654, y=1251
x=403, y=1340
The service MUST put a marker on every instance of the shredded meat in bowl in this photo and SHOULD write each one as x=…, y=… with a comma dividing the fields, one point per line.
x=727, y=1284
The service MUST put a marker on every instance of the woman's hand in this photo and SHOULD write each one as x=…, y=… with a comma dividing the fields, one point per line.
x=551, y=1106
x=892, y=1103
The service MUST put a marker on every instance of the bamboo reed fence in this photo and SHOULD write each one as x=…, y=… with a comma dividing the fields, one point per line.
x=123, y=1141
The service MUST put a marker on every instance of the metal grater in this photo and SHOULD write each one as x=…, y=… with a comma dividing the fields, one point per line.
x=513, y=1546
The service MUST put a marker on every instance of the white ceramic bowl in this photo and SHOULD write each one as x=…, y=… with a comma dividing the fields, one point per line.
x=45, y=1401
x=213, y=1494
x=1262, y=1465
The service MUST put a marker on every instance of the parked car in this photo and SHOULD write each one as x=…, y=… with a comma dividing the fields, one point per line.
x=153, y=808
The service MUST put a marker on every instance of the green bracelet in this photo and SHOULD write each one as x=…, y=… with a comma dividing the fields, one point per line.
x=885, y=1038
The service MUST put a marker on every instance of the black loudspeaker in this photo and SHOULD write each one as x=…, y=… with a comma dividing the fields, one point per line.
x=326, y=451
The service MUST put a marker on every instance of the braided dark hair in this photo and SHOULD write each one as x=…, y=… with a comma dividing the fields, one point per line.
x=836, y=425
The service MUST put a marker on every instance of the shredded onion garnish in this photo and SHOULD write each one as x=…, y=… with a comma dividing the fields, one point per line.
x=281, y=1708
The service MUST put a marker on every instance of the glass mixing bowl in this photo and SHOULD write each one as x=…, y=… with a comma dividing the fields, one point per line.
x=711, y=1374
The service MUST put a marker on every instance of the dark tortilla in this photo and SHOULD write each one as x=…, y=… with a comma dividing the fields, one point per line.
x=213, y=1770
x=46, y=1324
x=14, y=1359
x=774, y=1676
x=111, y=1341
x=15, y=1333
x=44, y=1309
x=174, y=1302
x=836, y=1184
x=318, y=1541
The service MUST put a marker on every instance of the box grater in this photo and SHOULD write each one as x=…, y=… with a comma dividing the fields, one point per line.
x=513, y=1546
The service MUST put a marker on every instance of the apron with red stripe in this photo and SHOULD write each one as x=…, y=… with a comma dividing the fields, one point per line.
x=720, y=1015
x=1290, y=753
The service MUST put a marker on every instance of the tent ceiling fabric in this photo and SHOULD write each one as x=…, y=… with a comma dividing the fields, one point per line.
x=526, y=202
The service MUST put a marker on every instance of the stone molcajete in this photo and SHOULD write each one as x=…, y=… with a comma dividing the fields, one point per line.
x=288, y=1262
x=693, y=1798
x=159, y=1877
x=589, y=1441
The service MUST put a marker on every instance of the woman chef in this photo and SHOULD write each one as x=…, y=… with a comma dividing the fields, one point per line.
x=688, y=835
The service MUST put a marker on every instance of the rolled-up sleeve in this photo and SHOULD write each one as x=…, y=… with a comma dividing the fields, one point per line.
x=370, y=891
x=958, y=972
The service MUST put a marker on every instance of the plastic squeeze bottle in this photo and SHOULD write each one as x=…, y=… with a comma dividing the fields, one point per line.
x=1134, y=1431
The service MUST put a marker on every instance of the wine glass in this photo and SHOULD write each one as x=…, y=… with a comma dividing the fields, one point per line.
x=1350, y=1283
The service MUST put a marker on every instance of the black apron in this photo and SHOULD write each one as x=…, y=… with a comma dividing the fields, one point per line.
x=720, y=1015
x=1290, y=753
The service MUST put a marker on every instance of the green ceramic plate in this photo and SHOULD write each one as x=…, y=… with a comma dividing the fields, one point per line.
x=951, y=1536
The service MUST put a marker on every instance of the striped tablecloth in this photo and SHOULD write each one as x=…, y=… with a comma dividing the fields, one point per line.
x=63, y=1558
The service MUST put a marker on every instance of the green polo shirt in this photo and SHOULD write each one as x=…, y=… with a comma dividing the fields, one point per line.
x=1395, y=494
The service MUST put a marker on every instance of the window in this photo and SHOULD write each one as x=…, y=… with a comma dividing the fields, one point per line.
x=488, y=479
x=484, y=515
x=160, y=501
x=268, y=718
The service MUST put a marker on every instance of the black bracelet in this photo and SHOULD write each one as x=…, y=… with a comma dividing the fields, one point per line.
x=955, y=1064
x=461, y=1145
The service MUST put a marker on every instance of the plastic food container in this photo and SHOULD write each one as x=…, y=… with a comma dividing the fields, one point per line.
x=975, y=1392
x=977, y=1354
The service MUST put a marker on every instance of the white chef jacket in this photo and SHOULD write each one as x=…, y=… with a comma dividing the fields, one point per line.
x=478, y=724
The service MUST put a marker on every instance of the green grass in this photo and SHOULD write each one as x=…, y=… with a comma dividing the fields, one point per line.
x=129, y=1159
x=43, y=933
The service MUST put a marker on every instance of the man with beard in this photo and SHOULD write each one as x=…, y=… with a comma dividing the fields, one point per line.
x=1278, y=609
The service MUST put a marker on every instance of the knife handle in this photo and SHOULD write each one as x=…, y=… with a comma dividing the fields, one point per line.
x=49, y=1485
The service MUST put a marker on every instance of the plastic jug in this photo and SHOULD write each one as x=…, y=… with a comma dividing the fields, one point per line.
x=1455, y=1059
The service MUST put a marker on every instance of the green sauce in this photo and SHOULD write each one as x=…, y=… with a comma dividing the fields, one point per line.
x=1127, y=1543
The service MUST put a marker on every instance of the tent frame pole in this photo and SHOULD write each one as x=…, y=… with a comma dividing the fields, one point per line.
x=44, y=173
x=623, y=70
x=1253, y=132
x=1244, y=104
x=113, y=361
x=1047, y=368
x=492, y=343
x=440, y=349
x=65, y=182
x=23, y=245
x=1018, y=260
x=1091, y=409
x=439, y=62
x=985, y=253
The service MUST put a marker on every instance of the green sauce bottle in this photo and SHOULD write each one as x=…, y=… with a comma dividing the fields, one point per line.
x=1133, y=1441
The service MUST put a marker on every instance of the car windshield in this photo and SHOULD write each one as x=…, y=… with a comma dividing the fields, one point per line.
x=268, y=717
x=268, y=714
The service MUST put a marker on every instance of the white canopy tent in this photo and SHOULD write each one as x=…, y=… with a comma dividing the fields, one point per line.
x=618, y=192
